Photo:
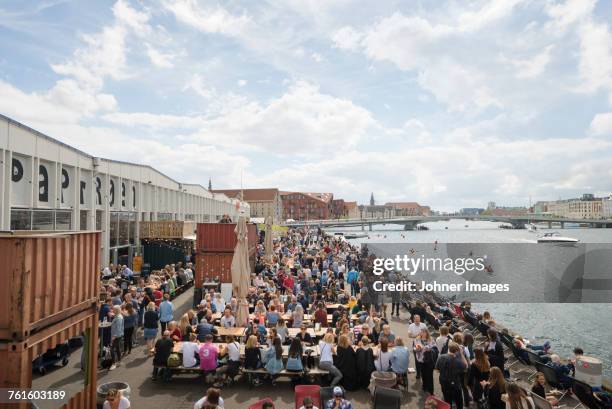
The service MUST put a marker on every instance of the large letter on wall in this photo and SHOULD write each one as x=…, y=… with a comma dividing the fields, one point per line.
x=43, y=184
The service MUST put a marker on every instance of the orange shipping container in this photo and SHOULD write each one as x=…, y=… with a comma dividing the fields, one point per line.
x=220, y=237
x=47, y=278
x=18, y=356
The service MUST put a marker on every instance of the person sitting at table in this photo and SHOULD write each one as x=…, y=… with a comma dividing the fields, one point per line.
x=326, y=361
x=294, y=361
x=252, y=357
x=386, y=332
x=185, y=327
x=345, y=330
x=338, y=401
x=274, y=359
x=297, y=316
x=400, y=358
x=209, y=353
x=275, y=301
x=193, y=319
x=201, y=313
x=260, y=310
x=230, y=370
x=362, y=331
x=337, y=315
x=304, y=336
x=190, y=350
x=272, y=334
x=218, y=302
x=346, y=363
x=228, y=320
x=376, y=331
x=272, y=316
x=364, y=360
x=175, y=331
x=282, y=331
x=204, y=329
x=320, y=315
x=382, y=356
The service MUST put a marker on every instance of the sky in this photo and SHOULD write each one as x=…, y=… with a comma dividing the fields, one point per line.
x=447, y=103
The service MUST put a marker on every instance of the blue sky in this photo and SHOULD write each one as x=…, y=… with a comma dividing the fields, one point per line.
x=450, y=103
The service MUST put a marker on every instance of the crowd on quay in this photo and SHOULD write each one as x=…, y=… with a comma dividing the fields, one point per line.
x=290, y=294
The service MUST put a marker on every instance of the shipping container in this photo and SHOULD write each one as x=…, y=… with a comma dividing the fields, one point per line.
x=167, y=229
x=159, y=253
x=210, y=266
x=18, y=356
x=47, y=278
x=220, y=237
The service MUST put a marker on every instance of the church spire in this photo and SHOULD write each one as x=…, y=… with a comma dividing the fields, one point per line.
x=209, y=184
x=372, y=202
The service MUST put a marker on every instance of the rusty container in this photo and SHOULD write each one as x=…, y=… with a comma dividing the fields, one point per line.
x=18, y=356
x=47, y=278
x=210, y=266
x=220, y=237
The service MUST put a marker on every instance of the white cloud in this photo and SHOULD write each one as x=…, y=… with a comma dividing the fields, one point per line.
x=458, y=87
x=160, y=59
x=602, y=124
x=196, y=83
x=154, y=121
x=347, y=38
x=595, y=66
x=208, y=20
x=489, y=13
x=320, y=122
x=317, y=57
x=566, y=13
x=242, y=83
x=532, y=67
x=138, y=21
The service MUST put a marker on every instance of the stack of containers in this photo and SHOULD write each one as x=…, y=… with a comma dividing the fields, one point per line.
x=215, y=244
x=49, y=295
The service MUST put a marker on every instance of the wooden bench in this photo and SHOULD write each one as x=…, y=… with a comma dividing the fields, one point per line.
x=250, y=373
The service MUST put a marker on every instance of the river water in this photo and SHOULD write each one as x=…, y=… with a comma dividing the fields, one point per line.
x=566, y=325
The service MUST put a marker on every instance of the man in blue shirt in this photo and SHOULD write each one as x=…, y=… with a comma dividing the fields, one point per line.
x=166, y=312
x=351, y=278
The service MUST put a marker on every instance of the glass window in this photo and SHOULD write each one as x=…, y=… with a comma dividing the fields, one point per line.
x=63, y=220
x=98, y=219
x=132, y=228
x=83, y=219
x=123, y=228
x=21, y=219
x=42, y=220
x=114, y=228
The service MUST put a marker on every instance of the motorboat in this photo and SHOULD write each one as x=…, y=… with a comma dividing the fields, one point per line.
x=357, y=235
x=555, y=237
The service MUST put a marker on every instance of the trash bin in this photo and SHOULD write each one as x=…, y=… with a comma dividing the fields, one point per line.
x=102, y=390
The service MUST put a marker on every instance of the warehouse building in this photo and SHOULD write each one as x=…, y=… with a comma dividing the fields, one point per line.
x=47, y=185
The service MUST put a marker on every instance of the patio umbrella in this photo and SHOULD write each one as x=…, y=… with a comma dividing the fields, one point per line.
x=241, y=272
x=269, y=246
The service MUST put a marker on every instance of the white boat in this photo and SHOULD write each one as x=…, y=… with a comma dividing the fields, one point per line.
x=555, y=237
x=355, y=235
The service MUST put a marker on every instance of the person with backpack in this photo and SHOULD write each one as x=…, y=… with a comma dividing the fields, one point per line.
x=452, y=365
x=426, y=355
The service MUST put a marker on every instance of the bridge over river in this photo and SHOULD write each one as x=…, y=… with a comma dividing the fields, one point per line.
x=410, y=222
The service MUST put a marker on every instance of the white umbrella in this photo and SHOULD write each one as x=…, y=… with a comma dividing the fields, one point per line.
x=241, y=272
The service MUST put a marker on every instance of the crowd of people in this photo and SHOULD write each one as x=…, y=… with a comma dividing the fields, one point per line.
x=309, y=273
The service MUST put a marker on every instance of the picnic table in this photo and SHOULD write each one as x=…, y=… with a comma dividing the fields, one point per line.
x=178, y=348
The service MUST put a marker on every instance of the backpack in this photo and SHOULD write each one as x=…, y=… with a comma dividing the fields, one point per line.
x=174, y=360
x=445, y=347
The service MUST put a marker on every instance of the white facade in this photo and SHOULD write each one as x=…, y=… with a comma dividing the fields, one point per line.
x=48, y=185
x=606, y=207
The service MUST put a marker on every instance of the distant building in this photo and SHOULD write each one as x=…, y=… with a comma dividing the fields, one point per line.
x=591, y=208
x=409, y=209
x=338, y=209
x=606, y=207
x=507, y=211
x=263, y=202
x=540, y=207
x=491, y=205
x=372, y=201
x=376, y=212
x=471, y=211
x=352, y=211
x=307, y=206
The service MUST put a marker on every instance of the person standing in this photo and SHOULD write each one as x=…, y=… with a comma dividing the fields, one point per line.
x=116, y=336
x=163, y=349
x=129, y=324
x=414, y=330
x=452, y=366
x=166, y=312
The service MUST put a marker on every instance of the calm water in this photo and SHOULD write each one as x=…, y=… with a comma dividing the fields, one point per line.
x=565, y=325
